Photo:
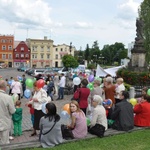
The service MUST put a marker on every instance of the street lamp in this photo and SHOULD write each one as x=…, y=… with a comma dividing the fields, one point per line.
x=101, y=57
x=70, y=47
x=95, y=59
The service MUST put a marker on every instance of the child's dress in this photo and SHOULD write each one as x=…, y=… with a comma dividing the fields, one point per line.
x=17, y=121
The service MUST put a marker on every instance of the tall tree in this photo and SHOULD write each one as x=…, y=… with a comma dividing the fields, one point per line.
x=144, y=14
x=87, y=53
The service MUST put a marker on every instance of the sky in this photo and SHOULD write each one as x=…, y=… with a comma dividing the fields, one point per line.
x=78, y=21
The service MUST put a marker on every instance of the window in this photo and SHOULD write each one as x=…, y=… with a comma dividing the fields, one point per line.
x=42, y=48
x=61, y=49
x=22, y=55
x=9, y=56
x=61, y=56
x=10, y=41
x=3, y=47
x=9, y=47
x=3, y=41
x=56, y=49
x=27, y=55
x=34, y=55
x=48, y=56
x=34, y=48
x=42, y=56
x=65, y=49
x=42, y=64
x=48, y=48
x=17, y=55
x=3, y=56
x=56, y=56
x=22, y=49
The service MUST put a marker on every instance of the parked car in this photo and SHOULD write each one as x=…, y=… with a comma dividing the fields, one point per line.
x=19, y=68
x=23, y=69
x=56, y=69
x=64, y=70
x=30, y=71
x=38, y=71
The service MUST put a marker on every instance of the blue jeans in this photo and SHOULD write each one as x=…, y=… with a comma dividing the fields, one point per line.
x=32, y=118
x=61, y=93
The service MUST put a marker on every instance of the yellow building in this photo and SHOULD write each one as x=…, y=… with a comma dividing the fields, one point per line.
x=59, y=51
x=41, y=52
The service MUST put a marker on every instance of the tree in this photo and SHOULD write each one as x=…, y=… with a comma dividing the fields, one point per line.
x=87, y=53
x=144, y=14
x=69, y=61
x=114, y=53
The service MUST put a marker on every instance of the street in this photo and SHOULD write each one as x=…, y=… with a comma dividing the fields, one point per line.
x=26, y=123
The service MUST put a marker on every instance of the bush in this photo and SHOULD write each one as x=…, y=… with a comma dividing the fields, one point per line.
x=134, y=78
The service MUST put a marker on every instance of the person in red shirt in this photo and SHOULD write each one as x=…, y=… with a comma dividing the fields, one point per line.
x=142, y=112
x=82, y=94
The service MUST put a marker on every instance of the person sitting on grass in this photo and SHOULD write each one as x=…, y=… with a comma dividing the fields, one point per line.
x=142, y=112
x=50, y=127
x=123, y=114
x=78, y=121
x=98, y=117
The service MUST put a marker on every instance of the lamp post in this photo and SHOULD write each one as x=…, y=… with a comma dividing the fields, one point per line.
x=101, y=57
x=70, y=47
x=95, y=59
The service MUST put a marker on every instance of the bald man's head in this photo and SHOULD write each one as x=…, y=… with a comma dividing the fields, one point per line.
x=3, y=85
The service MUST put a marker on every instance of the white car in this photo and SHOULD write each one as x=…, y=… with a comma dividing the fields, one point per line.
x=64, y=71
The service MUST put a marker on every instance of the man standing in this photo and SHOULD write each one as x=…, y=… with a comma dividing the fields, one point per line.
x=123, y=114
x=6, y=110
x=23, y=84
x=61, y=85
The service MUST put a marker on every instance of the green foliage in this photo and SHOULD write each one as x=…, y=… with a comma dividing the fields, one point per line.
x=91, y=66
x=69, y=61
x=137, y=140
x=87, y=53
x=134, y=78
x=114, y=53
x=144, y=14
x=127, y=86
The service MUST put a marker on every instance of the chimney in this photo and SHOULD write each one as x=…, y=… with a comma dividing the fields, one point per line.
x=45, y=37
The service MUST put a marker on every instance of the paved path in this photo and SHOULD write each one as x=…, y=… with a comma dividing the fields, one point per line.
x=25, y=141
x=26, y=124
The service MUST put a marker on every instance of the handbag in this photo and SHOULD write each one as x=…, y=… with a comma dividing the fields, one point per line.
x=66, y=132
x=45, y=132
x=98, y=130
x=77, y=95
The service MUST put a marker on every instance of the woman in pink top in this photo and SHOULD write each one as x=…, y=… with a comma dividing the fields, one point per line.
x=16, y=88
x=78, y=121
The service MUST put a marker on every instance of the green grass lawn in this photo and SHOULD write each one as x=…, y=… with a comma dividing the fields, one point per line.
x=137, y=140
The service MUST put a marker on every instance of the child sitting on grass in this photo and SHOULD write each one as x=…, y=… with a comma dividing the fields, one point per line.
x=17, y=119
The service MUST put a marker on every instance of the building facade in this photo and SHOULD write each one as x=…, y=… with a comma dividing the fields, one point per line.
x=21, y=54
x=41, y=52
x=58, y=52
x=6, y=50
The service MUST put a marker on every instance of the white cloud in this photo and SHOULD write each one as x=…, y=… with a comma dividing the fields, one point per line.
x=23, y=13
x=83, y=25
x=127, y=14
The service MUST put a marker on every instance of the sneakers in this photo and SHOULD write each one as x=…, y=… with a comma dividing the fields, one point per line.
x=11, y=138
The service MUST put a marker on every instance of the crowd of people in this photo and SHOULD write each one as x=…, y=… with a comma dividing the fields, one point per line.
x=107, y=104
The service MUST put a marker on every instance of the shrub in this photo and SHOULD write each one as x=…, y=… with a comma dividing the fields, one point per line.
x=134, y=78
